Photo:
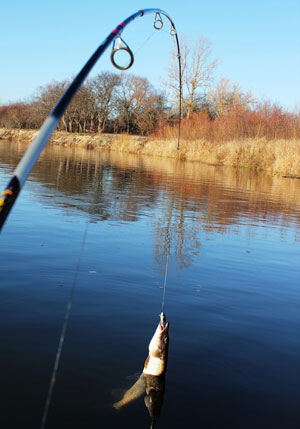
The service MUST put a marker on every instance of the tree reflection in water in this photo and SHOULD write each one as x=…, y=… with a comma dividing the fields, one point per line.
x=181, y=198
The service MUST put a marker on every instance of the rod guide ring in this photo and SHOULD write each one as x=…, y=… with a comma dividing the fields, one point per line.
x=158, y=22
x=121, y=47
x=173, y=31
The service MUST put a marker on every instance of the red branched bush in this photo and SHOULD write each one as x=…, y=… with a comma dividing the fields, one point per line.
x=266, y=121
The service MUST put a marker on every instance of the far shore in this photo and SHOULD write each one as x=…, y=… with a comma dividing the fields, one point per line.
x=275, y=156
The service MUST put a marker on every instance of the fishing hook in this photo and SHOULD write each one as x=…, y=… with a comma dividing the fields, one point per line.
x=121, y=47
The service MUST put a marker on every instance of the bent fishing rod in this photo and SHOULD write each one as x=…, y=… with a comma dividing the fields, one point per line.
x=23, y=169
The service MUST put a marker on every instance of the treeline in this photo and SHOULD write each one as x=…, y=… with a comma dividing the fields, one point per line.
x=118, y=103
x=110, y=103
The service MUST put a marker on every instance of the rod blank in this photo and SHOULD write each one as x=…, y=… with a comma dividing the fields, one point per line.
x=23, y=169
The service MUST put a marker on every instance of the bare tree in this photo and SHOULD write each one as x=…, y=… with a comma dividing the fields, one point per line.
x=105, y=103
x=80, y=112
x=139, y=106
x=197, y=73
x=15, y=115
x=225, y=96
x=104, y=87
x=45, y=99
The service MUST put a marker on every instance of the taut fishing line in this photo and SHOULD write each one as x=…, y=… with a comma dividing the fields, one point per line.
x=63, y=332
x=145, y=41
x=165, y=284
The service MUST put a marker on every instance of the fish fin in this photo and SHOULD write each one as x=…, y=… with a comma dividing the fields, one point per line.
x=133, y=377
x=137, y=390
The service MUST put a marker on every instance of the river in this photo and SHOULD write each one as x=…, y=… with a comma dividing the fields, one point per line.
x=101, y=225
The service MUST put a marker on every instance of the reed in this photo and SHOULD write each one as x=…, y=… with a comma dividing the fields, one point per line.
x=279, y=156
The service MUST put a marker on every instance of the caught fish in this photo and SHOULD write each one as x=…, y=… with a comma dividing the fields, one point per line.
x=152, y=380
x=156, y=361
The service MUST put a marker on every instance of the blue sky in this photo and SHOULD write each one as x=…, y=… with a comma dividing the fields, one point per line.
x=256, y=42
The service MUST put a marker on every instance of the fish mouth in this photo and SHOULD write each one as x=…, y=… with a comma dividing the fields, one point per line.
x=164, y=330
x=164, y=326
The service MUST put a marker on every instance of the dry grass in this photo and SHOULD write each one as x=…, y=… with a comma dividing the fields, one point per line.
x=280, y=156
x=275, y=156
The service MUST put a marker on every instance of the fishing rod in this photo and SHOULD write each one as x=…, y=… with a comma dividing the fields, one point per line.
x=23, y=169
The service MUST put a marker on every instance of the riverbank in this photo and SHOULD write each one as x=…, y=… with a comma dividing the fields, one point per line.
x=276, y=156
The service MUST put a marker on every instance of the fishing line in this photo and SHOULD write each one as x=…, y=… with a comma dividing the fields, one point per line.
x=63, y=333
x=165, y=283
x=144, y=43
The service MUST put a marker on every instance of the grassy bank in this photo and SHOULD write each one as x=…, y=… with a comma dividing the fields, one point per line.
x=276, y=156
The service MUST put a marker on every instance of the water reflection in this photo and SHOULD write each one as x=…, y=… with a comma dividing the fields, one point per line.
x=190, y=198
x=234, y=308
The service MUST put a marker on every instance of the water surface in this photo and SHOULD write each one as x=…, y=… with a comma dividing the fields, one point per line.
x=232, y=294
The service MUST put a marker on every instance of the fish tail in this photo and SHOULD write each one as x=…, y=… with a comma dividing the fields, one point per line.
x=133, y=393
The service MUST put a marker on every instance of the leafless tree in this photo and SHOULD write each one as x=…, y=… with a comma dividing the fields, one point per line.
x=44, y=101
x=227, y=95
x=104, y=87
x=197, y=73
x=139, y=106
x=14, y=115
x=108, y=102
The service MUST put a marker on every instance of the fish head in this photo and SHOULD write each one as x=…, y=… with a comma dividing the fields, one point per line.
x=159, y=343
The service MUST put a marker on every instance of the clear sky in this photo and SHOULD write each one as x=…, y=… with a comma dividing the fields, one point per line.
x=257, y=42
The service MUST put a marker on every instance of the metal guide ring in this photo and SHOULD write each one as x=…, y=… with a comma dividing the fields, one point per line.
x=158, y=22
x=124, y=47
x=173, y=31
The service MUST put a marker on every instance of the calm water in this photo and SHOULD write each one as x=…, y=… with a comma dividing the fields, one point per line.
x=232, y=295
